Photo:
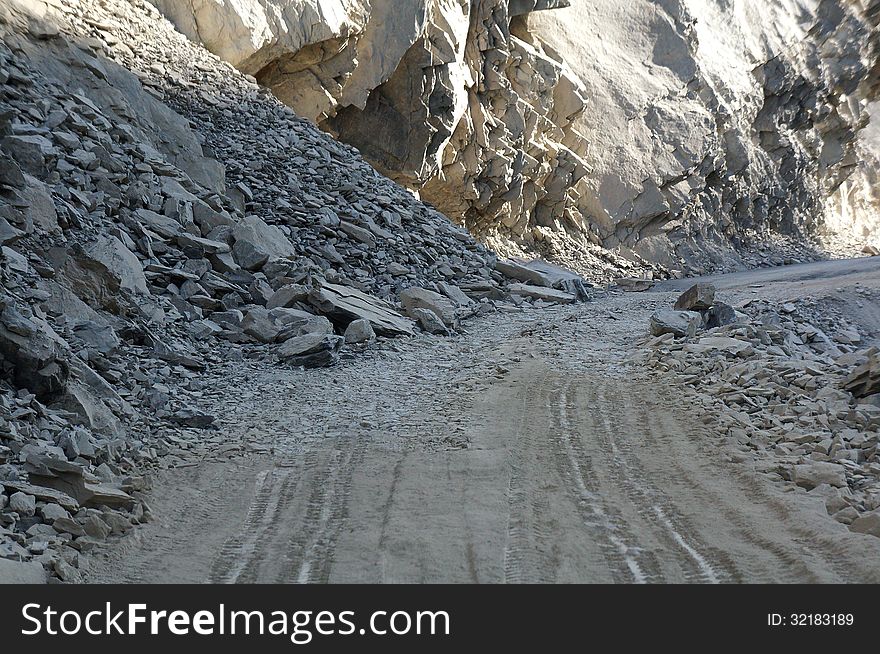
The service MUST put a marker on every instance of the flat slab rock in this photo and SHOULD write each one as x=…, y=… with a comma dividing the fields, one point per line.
x=542, y=293
x=346, y=304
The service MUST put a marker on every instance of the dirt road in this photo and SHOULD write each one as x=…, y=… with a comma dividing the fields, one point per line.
x=530, y=449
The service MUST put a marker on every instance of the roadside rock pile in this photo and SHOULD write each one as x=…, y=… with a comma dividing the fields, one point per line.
x=696, y=309
x=160, y=214
x=794, y=384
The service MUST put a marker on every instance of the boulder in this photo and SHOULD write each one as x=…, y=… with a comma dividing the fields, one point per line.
x=542, y=293
x=864, y=381
x=313, y=350
x=698, y=297
x=40, y=364
x=677, y=323
x=720, y=315
x=429, y=321
x=359, y=331
x=869, y=523
x=811, y=475
x=522, y=272
x=421, y=298
x=343, y=304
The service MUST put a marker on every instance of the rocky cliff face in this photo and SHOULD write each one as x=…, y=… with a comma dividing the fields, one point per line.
x=676, y=131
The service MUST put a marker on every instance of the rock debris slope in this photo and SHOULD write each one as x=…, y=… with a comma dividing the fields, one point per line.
x=685, y=133
x=161, y=213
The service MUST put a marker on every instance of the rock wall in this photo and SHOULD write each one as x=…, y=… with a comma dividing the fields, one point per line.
x=681, y=132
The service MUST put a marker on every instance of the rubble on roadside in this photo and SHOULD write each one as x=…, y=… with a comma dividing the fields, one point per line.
x=793, y=383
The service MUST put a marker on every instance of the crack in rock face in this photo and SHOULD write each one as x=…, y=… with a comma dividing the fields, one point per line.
x=675, y=132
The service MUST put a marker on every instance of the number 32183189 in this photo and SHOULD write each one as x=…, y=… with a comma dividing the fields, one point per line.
x=810, y=620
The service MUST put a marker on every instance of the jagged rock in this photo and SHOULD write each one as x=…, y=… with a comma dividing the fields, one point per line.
x=869, y=523
x=121, y=262
x=23, y=504
x=288, y=295
x=69, y=526
x=634, y=285
x=421, y=298
x=542, y=293
x=359, y=331
x=249, y=255
x=190, y=417
x=677, y=323
x=343, y=304
x=314, y=350
x=864, y=381
x=720, y=315
x=522, y=273
x=699, y=297
x=43, y=493
x=810, y=475
x=96, y=528
x=428, y=321
x=39, y=362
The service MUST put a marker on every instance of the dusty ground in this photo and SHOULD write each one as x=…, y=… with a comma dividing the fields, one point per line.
x=530, y=449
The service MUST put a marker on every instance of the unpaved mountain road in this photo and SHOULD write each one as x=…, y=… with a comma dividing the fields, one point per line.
x=530, y=449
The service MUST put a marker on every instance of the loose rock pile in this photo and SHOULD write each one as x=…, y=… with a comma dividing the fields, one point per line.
x=160, y=214
x=795, y=385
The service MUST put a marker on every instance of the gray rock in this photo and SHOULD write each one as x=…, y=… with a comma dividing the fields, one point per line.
x=359, y=331
x=422, y=298
x=69, y=526
x=677, y=323
x=248, y=255
x=287, y=296
x=311, y=350
x=192, y=417
x=810, y=475
x=52, y=512
x=720, y=315
x=429, y=321
x=99, y=337
x=15, y=572
x=522, y=272
x=542, y=293
x=96, y=528
x=698, y=297
x=23, y=504
x=869, y=523
x=343, y=304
